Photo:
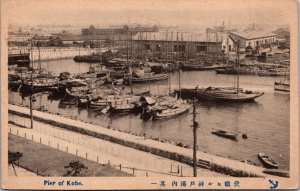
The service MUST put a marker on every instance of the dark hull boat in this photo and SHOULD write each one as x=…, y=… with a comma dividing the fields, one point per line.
x=225, y=134
x=198, y=67
x=220, y=94
x=147, y=78
x=94, y=58
x=21, y=59
x=267, y=161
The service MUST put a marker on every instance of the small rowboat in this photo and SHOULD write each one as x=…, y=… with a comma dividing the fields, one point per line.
x=267, y=161
x=225, y=134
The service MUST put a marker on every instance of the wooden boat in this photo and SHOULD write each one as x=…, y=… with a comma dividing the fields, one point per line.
x=220, y=94
x=233, y=94
x=282, y=86
x=163, y=112
x=201, y=67
x=277, y=172
x=147, y=77
x=274, y=72
x=235, y=71
x=122, y=108
x=101, y=102
x=267, y=161
x=225, y=134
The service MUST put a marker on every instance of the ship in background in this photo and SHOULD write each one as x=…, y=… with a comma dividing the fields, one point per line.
x=19, y=59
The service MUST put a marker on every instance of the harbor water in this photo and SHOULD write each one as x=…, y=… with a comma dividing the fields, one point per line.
x=265, y=121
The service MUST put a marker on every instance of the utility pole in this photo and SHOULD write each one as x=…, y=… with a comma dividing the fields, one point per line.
x=30, y=96
x=195, y=126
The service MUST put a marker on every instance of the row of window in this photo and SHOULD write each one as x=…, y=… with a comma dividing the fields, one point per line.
x=259, y=42
x=178, y=48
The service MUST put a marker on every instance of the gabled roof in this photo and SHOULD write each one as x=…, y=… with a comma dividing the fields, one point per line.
x=252, y=34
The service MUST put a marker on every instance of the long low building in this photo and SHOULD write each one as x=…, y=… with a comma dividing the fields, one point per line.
x=188, y=43
x=253, y=39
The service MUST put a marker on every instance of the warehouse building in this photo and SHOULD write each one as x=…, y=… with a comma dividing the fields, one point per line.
x=253, y=38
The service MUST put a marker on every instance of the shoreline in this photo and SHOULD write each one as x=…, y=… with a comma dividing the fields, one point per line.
x=184, y=155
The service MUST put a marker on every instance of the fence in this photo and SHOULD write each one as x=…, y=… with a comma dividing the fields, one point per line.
x=121, y=157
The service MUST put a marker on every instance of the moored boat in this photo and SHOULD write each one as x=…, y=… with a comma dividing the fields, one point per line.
x=225, y=134
x=148, y=77
x=220, y=94
x=267, y=161
x=282, y=86
x=169, y=111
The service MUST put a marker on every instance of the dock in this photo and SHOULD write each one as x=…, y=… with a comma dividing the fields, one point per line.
x=156, y=147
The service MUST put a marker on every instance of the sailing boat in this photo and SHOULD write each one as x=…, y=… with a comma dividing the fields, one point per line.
x=172, y=108
x=234, y=94
x=282, y=85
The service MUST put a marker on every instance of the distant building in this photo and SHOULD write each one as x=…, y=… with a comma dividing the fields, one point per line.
x=187, y=43
x=118, y=31
x=253, y=39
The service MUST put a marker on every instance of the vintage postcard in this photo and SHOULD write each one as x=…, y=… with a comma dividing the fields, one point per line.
x=150, y=94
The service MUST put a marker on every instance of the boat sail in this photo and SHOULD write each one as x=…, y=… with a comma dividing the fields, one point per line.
x=235, y=94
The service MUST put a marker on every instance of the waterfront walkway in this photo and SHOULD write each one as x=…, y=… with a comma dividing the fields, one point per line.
x=167, y=147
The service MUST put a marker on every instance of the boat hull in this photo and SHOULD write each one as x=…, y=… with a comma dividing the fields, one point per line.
x=213, y=96
x=267, y=163
x=157, y=116
x=281, y=87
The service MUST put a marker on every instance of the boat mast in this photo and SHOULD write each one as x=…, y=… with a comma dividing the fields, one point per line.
x=30, y=97
x=238, y=62
x=129, y=70
x=169, y=65
x=179, y=67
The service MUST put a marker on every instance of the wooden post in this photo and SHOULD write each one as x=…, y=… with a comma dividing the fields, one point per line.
x=133, y=171
x=108, y=162
x=180, y=170
x=195, y=126
x=120, y=167
x=25, y=135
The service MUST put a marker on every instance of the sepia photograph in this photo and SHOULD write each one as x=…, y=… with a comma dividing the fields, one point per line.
x=149, y=94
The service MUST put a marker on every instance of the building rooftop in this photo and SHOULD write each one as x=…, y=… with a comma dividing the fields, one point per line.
x=253, y=34
x=182, y=36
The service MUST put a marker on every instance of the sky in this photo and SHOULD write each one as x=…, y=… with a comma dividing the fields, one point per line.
x=184, y=13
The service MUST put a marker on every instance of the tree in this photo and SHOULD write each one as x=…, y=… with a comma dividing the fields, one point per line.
x=75, y=168
x=13, y=157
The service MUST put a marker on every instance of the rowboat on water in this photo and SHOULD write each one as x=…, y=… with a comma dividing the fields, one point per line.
x=225, y=134
x=267, y=161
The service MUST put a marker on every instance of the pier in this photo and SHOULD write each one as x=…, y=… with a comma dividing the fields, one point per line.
x=142, y=144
